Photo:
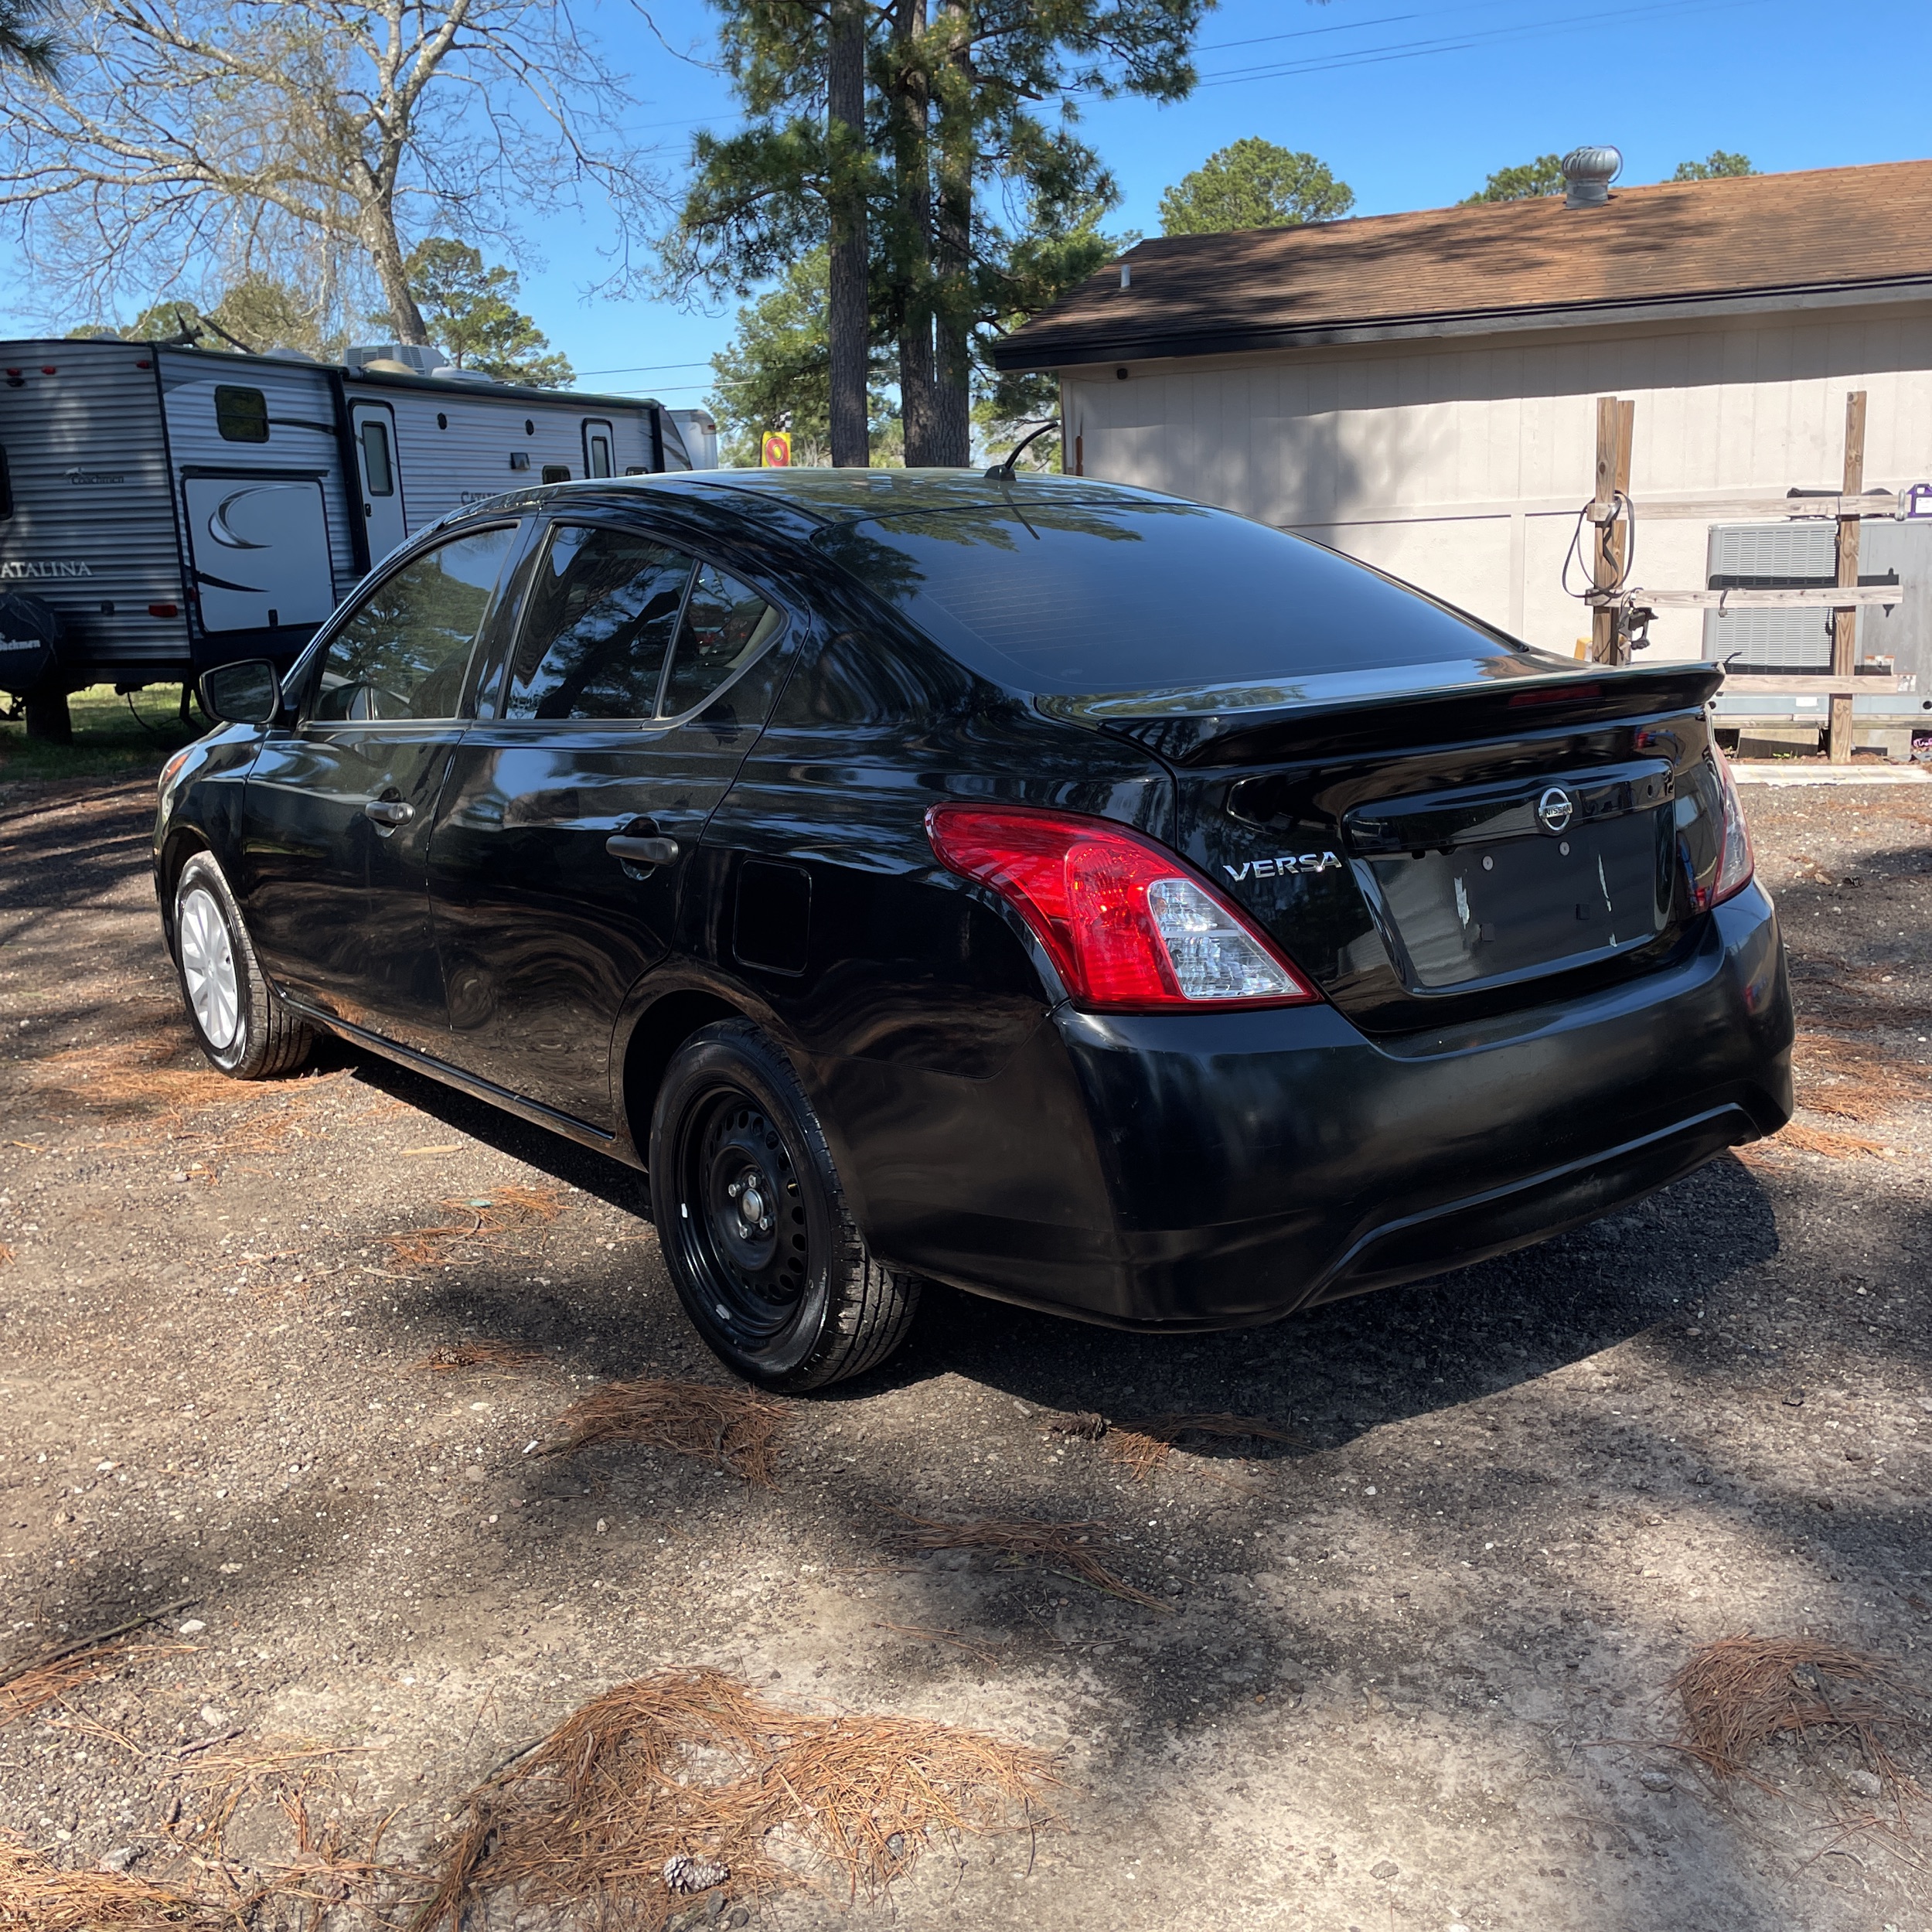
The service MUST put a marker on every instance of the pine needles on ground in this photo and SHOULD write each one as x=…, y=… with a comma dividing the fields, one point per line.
x=687, y=1781
x=482, y=1220
x=39, y=1894
x=1853, y=1081
x=475, y=1354
x=1143, y=1447
x=1741, y=1693
x=735, y=1429
x=1073, y=1546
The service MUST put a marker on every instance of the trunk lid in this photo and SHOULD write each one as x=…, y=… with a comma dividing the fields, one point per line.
x=1432, y=854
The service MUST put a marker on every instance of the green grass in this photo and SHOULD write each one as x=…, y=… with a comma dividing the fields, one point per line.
x=110, y=740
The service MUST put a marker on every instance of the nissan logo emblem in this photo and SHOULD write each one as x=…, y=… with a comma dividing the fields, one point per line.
x=1555, y=809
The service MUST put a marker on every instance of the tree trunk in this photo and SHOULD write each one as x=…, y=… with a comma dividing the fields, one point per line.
x=385, y=256
x=847, y=320
x=952, y=411
x=913, y=266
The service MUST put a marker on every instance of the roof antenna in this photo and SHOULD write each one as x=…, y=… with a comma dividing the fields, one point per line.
x=1003, y=472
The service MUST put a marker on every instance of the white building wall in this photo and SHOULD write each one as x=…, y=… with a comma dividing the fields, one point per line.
x=1461, y=466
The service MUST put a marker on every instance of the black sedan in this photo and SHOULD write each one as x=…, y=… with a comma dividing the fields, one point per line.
x=1085, y=897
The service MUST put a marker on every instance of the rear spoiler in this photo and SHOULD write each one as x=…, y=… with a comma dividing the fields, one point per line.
x=1407, y=708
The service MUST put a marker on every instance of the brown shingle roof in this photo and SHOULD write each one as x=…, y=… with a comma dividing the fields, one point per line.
x=1517, y=262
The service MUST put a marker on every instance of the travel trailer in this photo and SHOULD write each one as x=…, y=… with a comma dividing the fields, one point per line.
x=163, y=509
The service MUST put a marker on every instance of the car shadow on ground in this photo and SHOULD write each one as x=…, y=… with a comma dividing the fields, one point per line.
x=1339, y=1372
x=1329, y=1375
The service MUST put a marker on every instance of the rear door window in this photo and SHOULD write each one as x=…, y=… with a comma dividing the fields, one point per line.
x=404, y=652
x=598, y=626
x=727, y=624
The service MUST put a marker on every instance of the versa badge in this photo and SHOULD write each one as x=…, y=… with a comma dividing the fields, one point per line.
x=1280, y=867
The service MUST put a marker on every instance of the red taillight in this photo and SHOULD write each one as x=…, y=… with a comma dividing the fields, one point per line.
x=1130, y=926
x=164, y=610
x=1736, y=862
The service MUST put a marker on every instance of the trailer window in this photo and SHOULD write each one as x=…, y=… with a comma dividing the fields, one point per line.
x=241, y=415
x=378, y=472
x=600, y=454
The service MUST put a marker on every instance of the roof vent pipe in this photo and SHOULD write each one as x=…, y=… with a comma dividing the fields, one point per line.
x=1126, y=276
x=1587, y=175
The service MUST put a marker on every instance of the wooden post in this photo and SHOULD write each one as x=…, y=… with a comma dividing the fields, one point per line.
x=1610, y=551
x=1844, y=623
x=1620, y=529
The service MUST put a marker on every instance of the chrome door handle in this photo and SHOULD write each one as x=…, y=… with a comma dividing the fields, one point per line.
x=641, y=851
x=388, y=811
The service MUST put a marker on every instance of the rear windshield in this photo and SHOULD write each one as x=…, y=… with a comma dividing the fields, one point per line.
x=1078, y=598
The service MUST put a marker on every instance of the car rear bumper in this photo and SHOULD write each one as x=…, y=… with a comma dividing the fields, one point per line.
x=1214, y=1170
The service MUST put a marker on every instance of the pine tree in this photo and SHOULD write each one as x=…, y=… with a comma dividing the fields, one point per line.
x=1717, y=166
x=471, y=314
x=1253, y=184
x=776, y=373
x=959, y=170
x=1526, y=182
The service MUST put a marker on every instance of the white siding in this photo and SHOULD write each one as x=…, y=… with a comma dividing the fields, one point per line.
x=466, y=457
x=1461, y=467
x=302, y=431
x=93, y=529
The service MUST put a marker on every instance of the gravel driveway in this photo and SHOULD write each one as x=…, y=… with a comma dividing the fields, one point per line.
x=1410, y=1667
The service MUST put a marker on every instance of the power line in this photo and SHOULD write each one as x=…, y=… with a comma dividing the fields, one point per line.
x=643, y=369
x=1459, y=43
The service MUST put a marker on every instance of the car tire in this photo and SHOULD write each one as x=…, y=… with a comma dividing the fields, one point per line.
x=753, y=1222
x=239, y=1022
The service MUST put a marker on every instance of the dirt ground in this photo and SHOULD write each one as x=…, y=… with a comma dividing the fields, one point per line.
x=1412, y=1666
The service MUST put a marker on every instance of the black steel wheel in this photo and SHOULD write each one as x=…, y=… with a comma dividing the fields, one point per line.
x=764, y=1257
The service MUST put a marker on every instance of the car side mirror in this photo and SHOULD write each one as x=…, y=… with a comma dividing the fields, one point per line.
x=249, y=693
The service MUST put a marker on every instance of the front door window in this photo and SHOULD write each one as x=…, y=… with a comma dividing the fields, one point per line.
x=404, y=652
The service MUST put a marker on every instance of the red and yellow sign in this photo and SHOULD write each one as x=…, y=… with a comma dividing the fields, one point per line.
x=777, y=450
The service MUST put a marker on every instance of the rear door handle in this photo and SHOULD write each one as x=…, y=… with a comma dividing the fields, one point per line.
x=641, y=851
x=388, y=811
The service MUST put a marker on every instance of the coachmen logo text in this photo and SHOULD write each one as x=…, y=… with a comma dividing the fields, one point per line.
x=96, y=475
x=1280, y=867
x=14, y=572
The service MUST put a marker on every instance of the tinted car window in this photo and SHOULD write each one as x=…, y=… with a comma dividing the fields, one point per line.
x=1090, y=596
x=598, y=626
x=404, y=652
x=726, y=625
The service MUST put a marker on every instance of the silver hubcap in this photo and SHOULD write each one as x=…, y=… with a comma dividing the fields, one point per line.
x=208, y=966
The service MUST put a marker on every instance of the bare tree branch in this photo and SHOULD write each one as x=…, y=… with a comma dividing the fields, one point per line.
x=206, y=140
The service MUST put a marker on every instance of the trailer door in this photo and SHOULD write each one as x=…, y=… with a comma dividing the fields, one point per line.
x=260, y=547
x=598, y=443
x=373, y=429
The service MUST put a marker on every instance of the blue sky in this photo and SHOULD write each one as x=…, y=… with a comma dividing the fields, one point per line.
x=1411, y=102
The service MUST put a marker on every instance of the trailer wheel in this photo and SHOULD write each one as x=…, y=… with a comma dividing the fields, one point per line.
x=239, y=1020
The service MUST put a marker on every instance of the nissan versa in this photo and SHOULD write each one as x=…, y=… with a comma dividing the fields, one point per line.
x=1085, y=897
